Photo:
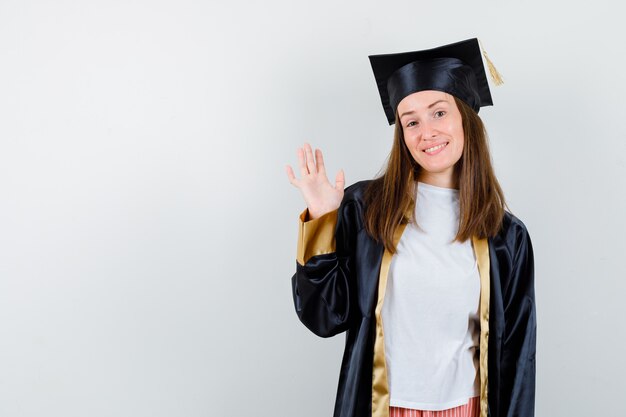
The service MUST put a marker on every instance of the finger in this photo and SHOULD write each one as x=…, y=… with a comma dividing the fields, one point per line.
x=291, y=176
x=319, y=158
x=340, y=180
x=310, y=162
x=302, y=163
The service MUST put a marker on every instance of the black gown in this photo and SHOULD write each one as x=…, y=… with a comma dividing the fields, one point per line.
x=339, y=285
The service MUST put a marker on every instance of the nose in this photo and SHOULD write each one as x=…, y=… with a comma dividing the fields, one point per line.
x=429, y=131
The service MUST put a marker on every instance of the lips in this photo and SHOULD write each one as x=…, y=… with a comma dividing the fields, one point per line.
x=435, y=149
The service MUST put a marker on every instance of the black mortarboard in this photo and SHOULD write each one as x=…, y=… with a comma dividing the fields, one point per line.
x=456, y=69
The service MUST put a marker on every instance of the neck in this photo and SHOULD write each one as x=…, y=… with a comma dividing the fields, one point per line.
x=438, y=179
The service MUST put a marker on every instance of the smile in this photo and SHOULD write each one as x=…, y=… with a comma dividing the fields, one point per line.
x=435, y=149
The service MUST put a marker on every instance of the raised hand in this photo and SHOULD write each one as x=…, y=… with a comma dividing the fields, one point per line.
x=319, y=194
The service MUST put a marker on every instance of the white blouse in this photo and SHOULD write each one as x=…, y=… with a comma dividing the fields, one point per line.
x=430, y=311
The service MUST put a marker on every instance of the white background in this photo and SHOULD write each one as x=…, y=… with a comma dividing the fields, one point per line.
x=148, y=230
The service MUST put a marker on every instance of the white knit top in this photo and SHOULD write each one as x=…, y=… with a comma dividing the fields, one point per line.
x=430, y=311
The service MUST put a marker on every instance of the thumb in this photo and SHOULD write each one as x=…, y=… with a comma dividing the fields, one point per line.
x=340, y=180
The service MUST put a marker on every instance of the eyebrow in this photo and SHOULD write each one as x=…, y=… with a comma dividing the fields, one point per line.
x=430, y=106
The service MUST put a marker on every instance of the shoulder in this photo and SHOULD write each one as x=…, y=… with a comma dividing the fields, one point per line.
x=514, y=234
x=513, y=252
x=352, y=209
x=356, y=192
x=513, y=225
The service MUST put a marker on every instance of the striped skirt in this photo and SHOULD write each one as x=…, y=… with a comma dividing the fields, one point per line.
x=471, y=409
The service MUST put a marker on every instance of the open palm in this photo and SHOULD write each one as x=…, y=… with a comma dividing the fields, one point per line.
x=319, y=194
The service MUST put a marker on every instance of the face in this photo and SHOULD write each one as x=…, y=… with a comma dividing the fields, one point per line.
x=433, y=133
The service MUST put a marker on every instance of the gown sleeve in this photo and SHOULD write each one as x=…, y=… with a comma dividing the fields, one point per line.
x=519, y=343
x=321, y=285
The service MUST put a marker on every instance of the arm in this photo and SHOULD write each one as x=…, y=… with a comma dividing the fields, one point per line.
x=320, y=286
x=519, y=343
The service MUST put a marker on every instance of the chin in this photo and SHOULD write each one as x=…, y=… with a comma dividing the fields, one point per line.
x=436, y=169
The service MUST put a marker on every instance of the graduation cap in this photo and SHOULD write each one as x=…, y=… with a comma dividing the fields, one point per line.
x=456, y=69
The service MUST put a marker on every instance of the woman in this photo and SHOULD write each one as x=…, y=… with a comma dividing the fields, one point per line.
x=428, y=250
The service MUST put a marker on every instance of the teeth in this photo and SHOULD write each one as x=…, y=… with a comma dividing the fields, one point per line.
x=434, y=148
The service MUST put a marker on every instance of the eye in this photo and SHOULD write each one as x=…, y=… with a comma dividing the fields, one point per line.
x=410, y=124
x=440, y=113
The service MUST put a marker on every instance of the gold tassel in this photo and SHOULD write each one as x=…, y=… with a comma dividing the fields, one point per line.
x=495, y=75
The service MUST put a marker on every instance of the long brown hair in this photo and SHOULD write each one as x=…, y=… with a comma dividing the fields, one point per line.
x=390, y=198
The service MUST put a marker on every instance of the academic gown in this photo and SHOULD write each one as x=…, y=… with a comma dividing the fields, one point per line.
x=339, y=286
